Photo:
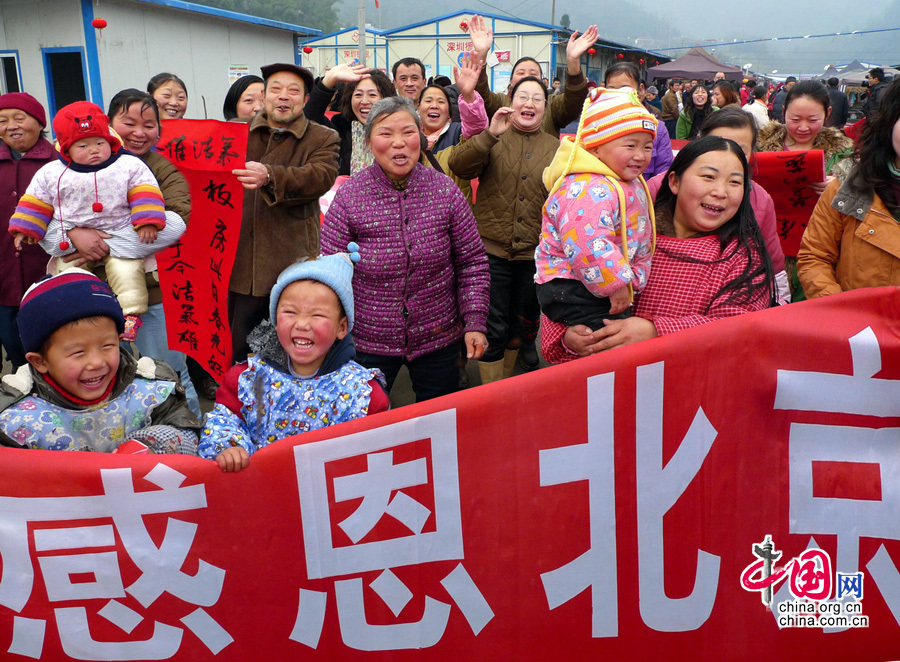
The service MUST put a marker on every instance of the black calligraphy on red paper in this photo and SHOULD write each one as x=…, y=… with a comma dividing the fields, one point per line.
x=194, y=273
x=787, y=177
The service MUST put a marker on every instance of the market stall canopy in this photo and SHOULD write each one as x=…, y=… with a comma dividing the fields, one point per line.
x=853, y=66
x=828, y=73
x=857, y=76
x=696, y=63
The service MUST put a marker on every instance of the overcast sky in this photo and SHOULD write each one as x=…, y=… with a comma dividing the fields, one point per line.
x=729, y=19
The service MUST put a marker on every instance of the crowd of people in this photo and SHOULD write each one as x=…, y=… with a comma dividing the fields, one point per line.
x=471, y=223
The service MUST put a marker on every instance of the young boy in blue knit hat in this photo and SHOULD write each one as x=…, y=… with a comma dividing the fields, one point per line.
x=80, y=391
x=303, y=376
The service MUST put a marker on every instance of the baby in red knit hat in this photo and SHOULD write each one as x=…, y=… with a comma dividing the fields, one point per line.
x=96, y=184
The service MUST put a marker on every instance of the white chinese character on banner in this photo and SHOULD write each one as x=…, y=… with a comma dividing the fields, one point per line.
x=658, y=489
x=160, y=566
x=380, y=488
x=859, y=393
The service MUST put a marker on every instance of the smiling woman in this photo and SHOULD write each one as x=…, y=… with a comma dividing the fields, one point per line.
x=170, y=93
x=134, y=115
x=509, y=158
x=806, y=107
x=710, y=261
x=362, y=88
x=421, y=286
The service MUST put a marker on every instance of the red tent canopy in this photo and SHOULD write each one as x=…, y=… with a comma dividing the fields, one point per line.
x=696, y=63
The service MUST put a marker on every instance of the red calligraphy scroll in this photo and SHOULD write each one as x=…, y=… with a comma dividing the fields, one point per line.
x=194, y=273
x=787, y=176
x=613, y=508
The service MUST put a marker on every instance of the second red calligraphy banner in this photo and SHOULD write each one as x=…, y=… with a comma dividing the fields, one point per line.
x=787, y=176
x=194, y=273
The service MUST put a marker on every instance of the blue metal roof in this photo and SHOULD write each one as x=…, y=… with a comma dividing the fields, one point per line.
x=232, y=15
x=545, y=26
x=377, y=33
x=469, y=12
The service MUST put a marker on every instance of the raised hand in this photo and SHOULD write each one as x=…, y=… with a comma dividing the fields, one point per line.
x=501, y=121
x=578, y=46
x=466, y=75
x=482, y=38
x=345, y=73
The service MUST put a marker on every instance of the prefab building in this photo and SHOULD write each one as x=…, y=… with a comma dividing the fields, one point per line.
x=50, y=49
x=342, y=47
x=440, y=42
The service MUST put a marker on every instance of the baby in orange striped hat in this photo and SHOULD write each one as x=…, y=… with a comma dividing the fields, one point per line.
x=598, y=229
x=98, y=185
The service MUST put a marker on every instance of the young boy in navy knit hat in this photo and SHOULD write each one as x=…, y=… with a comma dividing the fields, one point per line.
x=303, y=376
x=80, y=391
x=96, y=184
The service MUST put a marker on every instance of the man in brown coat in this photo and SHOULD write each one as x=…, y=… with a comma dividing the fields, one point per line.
x=291, y=163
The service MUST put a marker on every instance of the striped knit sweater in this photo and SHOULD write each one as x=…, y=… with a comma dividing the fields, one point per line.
x=125, y=188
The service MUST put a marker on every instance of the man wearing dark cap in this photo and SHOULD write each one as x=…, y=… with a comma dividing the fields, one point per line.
x=291, y=163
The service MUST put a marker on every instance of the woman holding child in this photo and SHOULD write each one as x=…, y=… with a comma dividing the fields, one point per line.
x=710, y=260
x=134, y=116
x=421, y=285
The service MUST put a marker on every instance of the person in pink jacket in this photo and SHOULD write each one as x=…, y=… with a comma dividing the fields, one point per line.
x=598, y=232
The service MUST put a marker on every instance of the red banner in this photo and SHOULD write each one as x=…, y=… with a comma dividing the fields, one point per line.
x=194, y=272
x=618, y=507
x=787, y=176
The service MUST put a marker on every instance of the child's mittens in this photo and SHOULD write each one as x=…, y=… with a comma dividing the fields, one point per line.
x=167, y=439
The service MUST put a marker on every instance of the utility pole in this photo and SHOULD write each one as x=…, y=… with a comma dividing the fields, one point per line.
x=361, y=29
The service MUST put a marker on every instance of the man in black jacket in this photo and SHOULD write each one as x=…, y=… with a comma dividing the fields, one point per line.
x=840, y=106
x=877, y=88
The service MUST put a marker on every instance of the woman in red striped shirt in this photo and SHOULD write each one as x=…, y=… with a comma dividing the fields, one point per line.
x=710, y=260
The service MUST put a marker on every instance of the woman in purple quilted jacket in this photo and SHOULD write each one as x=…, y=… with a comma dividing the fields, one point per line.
x=422, y=284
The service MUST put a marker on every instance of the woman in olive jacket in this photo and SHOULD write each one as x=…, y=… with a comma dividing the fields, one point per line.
x=509, y=158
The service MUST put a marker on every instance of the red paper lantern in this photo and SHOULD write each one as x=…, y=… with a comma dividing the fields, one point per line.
x=620, y=56
x=99, y=23
x=592, y=51
x=641, y=60
x=307, y=49
x=656, y=64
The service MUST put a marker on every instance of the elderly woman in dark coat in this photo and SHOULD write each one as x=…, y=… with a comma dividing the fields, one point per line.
x=22, y=153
